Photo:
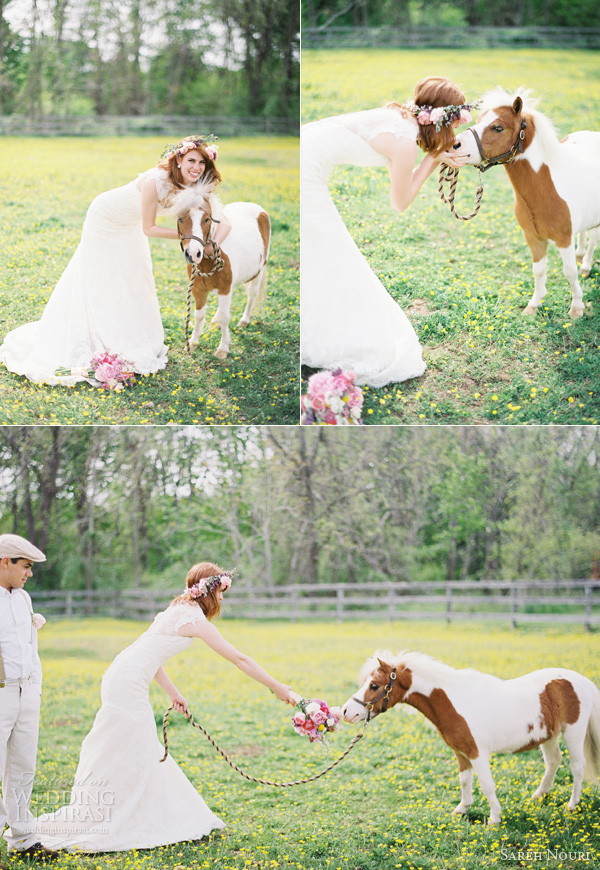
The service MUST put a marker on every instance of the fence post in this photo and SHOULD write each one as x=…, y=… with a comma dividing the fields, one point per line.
x=513, y=605
x=69, y=605
x=588, y=605
x=294, y=605
x=448, y=603
x=340, y=594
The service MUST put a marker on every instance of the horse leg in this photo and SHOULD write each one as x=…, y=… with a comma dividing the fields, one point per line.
x=582, y=242
x=222, y=317
x=593, y=236
x=200, y=297
x=465, y=777
x=574, y=737
x=255, y=292
x=552, y=756
x=481, y=766
x=539, y=250
x=570, y=271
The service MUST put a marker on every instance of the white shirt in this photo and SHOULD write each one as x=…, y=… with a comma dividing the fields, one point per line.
x=18, y=638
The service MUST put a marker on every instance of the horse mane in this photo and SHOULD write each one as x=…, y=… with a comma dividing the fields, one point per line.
x=545, y=130
x=424, y=666
x=197, y=195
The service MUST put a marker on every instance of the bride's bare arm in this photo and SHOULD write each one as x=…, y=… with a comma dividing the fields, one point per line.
x=211, y=636
x=149, y=209
x=406, y=179
x=177, y=699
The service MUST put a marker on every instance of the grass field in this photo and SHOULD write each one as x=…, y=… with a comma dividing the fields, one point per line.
x=42, y=214
x=386, y=807
x=464, y=285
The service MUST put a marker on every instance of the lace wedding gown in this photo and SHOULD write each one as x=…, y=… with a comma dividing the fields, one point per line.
x=123, y=797
x=105, y=299
x=348, y=318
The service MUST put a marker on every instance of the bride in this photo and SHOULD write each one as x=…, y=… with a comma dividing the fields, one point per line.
x=123, y=797
x=106, y=300
x=348, y=318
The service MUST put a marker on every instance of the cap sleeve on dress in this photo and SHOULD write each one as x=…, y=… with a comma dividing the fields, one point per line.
x=161, y=179
x=169, y=621
x=391, y=121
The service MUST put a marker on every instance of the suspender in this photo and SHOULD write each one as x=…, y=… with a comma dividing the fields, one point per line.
x=2, y=671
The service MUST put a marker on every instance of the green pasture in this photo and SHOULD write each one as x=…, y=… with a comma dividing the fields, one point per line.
x=385, y=807
x=46, y=186
x=464, y=284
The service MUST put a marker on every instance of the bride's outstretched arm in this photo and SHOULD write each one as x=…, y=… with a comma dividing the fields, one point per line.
x=213, y=638
x=177, y=699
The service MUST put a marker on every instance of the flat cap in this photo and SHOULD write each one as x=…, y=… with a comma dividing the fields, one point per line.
x=16, y=547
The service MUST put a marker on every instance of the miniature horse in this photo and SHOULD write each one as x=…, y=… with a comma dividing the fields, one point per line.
x=244, y=255
x=556, y=184
x=477, y=714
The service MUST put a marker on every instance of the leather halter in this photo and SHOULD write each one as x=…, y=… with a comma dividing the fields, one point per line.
x=385, y=694
x=203, y=242
x=502, y=159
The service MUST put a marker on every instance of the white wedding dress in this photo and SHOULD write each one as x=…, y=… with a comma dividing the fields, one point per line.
x=348, y=318
x=105, y=299
x=123, y=797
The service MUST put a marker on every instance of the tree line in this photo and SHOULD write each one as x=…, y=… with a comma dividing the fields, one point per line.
x=150, y=57
x=134, y=507
x=450, y=13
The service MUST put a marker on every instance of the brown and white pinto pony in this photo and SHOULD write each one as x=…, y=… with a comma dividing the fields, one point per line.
x=477, y=714
x=556, y=184
x=245, y=253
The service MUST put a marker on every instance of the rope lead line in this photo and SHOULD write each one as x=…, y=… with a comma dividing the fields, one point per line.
x=449, y=175
x=219, y=263
x=355, y=740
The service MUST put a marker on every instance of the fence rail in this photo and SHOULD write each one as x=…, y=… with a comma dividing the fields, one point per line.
x=518, y=601
x=172, y=126
x=450, y=37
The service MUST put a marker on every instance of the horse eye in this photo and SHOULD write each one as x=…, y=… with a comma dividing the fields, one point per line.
x=373, y=687
x=498, y=129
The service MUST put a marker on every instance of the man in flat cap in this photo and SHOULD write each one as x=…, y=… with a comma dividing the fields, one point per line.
x=20, y=693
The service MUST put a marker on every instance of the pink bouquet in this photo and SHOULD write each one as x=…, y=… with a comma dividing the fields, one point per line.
x=315, y=719
x=112, y=372
x=332, y=398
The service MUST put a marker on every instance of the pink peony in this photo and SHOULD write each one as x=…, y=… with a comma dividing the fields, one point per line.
x=436, y=115
x=465, y=116
x=423, y=117
x=319, y=384
x=105, y=372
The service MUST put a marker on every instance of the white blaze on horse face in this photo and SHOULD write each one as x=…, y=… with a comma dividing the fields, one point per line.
x=195, y=249
x=352, y=711
x=465, y=145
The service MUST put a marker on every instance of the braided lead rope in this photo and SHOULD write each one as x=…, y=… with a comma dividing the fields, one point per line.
x=449, y=175
x=219, y=263
x=197, y=725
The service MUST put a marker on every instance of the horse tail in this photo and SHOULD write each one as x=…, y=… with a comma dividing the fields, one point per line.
x=262, y=290
x=591, y=746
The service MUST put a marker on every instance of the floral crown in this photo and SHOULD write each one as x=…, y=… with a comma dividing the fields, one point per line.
x=207, y=584
x=441, y=116
x=189, y=144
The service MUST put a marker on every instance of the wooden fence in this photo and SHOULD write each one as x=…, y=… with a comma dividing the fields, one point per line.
x=574, y=602
x=172, y=126
x=451, y=37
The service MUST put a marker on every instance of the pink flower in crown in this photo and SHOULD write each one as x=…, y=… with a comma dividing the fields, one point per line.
x=465, y=116
x=212, y=152
x=436, y=115
x=319, y=384
x=423, y=117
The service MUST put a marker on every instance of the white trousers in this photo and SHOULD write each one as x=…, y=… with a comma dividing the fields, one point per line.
x=19, y=726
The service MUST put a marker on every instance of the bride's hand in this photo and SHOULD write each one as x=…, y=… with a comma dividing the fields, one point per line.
x=454, y=160
x=180, y=704
x=285, y=694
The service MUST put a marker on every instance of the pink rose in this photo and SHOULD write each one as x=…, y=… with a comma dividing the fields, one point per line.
x=465, y=116
x=319, y=384
x=436, y=115
x=423, y=117
x=105, y=372
x=38, y=620
x=319, y=718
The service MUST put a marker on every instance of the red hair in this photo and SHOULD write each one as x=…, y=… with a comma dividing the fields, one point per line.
x=211, y=173
x=209, y=603
x=434, y=91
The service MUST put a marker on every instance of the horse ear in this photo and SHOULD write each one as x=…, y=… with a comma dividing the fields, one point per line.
x=517, y=105
x=384, y=665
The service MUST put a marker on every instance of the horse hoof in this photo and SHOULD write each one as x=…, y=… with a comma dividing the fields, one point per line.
x=243, y=323
x=530, y=310
x=460, y=810
x=584, y=273
x=575, y=312
x=221, y=354
x=538, y=796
